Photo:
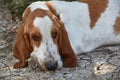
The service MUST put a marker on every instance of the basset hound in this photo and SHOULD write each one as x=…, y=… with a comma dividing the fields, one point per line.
x=52, y=33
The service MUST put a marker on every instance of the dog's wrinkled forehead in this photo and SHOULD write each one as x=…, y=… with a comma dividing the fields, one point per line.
x=44, y=25
x=41, y=18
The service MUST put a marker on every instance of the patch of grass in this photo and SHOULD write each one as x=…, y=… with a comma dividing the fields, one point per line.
x=17, y=7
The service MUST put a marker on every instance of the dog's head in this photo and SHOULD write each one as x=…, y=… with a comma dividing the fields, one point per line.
x=45, y=38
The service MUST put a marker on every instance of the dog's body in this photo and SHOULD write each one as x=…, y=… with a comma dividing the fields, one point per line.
x=86, y=25
x=82, y=36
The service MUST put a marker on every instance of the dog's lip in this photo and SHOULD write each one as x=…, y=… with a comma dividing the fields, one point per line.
x=32, y=63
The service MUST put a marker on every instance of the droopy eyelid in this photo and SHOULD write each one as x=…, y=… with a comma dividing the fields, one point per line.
x=36, y=37
x=54, y=33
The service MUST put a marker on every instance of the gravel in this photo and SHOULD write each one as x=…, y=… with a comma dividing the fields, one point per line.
x=100, y=64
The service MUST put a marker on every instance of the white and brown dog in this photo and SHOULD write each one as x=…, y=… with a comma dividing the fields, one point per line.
x=53, y=32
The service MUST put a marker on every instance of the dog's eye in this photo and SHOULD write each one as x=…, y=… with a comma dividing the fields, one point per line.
x=54, y=34
x=36, y=38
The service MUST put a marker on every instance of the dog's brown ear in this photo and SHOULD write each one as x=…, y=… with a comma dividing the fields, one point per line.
x=65, y=49
x=26, y=13
x=22, y=46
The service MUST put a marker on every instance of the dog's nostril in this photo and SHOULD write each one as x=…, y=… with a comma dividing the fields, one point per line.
x=51, y=65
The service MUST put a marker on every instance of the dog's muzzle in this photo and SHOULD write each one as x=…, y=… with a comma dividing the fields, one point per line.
x=48, y=64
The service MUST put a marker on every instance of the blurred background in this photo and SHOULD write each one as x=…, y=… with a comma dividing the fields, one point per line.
x=16, y=7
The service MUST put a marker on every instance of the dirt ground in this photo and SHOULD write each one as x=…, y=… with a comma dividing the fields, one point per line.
x=100, y=64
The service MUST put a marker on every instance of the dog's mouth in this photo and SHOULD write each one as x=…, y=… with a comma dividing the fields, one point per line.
x=47, y=65
x=32, y=63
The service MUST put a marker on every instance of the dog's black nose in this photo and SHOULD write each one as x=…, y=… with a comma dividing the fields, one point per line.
x=51, y=65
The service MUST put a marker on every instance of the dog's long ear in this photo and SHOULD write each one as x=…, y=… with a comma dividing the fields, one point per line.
x=64, y=47
x=22, y=47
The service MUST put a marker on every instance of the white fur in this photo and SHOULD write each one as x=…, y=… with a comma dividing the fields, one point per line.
x=76, y=18
x=36, y=5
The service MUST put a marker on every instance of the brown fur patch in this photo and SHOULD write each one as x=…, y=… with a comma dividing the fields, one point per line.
x=117, y=25
x=39, y=13
x=51, y=8
x=65, y=49
x=96, y=8
x=26, y=14
x=22, y=48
